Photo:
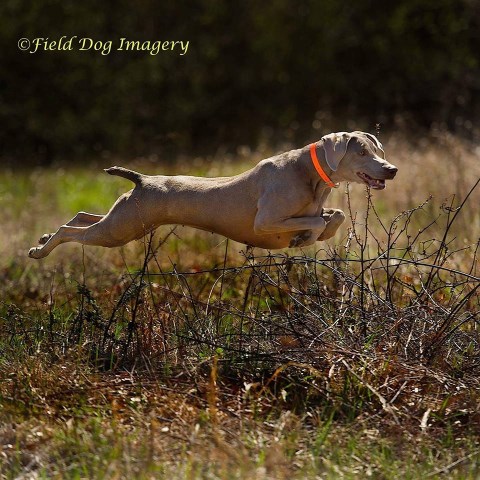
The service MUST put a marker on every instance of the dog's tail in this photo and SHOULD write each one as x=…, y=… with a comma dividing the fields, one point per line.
x=135, y=177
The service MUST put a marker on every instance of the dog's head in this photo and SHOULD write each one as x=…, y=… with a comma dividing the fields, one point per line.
x=357, y=157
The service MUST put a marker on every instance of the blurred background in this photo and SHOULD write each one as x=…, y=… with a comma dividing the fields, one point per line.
x=254, y=72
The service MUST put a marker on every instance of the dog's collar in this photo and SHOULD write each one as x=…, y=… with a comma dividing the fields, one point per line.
x=318, y=167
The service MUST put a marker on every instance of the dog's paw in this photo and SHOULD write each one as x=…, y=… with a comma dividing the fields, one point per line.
x=294, y=242
x=36, y=252
x=301, y=239
x=45, y=238
x=334, y=219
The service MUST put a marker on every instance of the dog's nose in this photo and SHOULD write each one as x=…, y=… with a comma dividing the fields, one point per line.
x=392, y=170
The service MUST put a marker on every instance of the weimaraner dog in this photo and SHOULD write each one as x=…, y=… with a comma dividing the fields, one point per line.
x=276, y=204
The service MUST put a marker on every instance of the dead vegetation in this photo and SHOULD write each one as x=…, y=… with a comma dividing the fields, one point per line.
x=189, y=359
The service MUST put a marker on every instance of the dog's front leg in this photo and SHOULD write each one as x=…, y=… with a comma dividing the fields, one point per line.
x=334, y=218
x=311, y=227
x=279, y=212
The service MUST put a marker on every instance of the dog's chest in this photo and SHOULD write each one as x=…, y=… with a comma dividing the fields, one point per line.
x=320, y=197
x=314, y=207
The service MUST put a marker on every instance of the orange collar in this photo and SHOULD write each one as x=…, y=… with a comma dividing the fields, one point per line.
x=318, y=167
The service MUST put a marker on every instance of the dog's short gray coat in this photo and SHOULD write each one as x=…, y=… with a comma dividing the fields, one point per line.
x=278, y=203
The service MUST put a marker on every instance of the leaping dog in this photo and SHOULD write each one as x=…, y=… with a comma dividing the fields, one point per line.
x=278, y=203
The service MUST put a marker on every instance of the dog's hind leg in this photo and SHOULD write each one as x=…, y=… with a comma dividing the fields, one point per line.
x=81, y=219
x=84, y=219
x=98, y=234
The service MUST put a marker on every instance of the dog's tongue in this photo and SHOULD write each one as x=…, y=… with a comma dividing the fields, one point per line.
x=374, y=183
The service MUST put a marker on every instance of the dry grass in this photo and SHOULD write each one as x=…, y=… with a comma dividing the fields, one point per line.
x=187, y=356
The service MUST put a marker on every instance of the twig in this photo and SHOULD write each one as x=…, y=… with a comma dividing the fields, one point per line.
x=385, y=405
x=448, y=467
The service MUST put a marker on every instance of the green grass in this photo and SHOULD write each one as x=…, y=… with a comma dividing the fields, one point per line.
x=217, y=362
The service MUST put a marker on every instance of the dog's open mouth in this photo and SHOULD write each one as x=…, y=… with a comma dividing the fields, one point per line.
x=374, y=183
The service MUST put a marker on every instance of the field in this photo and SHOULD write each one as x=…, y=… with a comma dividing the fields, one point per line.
x=185, y=355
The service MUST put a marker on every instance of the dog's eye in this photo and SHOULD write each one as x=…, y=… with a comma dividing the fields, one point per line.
x=362, y=152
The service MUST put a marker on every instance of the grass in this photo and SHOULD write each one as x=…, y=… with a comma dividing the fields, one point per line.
x=189, y=356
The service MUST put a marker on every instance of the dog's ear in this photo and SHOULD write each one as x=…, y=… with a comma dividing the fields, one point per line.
x=377, y=143
x=335, y=147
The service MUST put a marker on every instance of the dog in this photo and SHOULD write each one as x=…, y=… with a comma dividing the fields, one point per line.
x=278, y=203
